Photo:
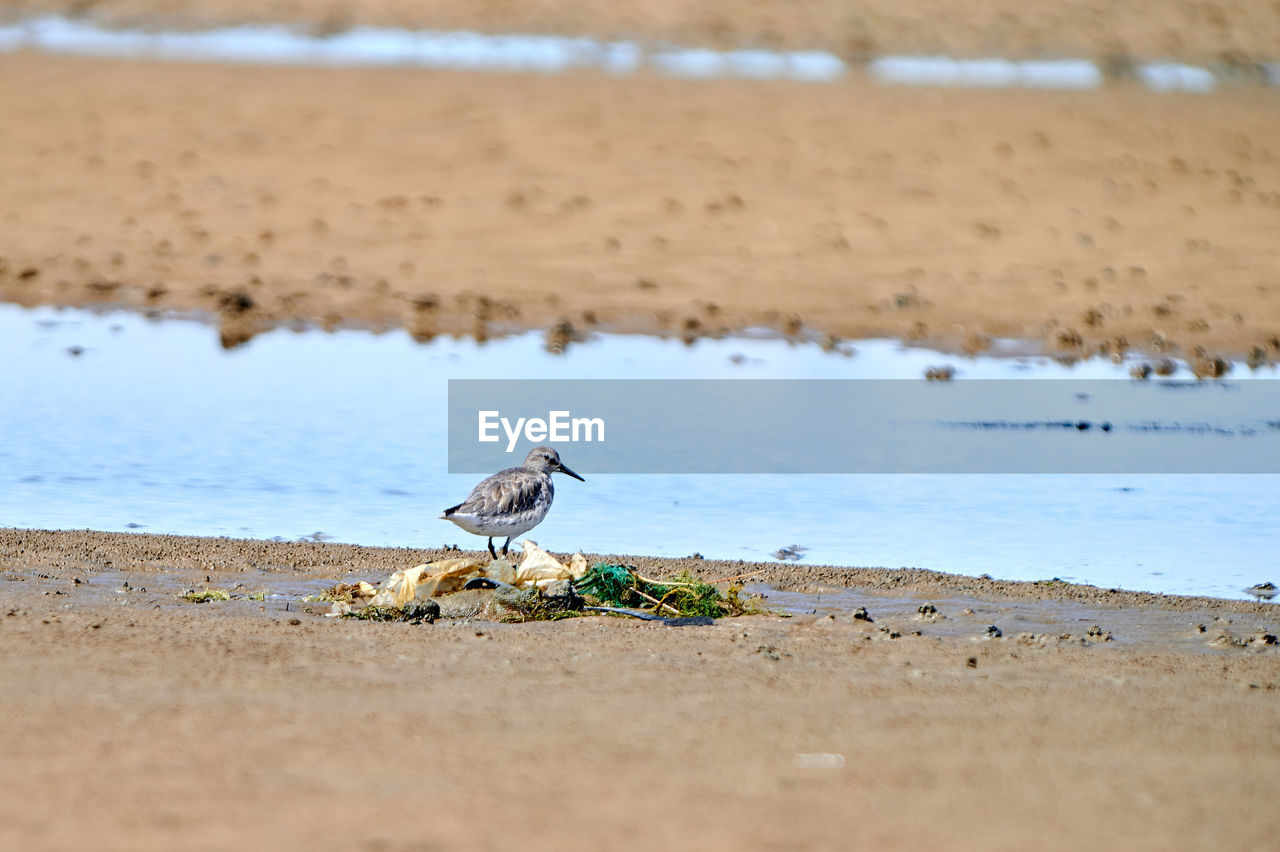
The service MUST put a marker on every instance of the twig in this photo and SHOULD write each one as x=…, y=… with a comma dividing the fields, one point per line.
x=656, y=602
x=674, y=592
x=660, y=582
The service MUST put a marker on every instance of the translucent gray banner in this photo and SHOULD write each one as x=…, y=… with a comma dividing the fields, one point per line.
x=836, y=426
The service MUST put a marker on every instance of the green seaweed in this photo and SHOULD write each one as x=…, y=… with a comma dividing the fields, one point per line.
x=689, y=596
x=205, y=595
x=750, y=605
x=682, y=596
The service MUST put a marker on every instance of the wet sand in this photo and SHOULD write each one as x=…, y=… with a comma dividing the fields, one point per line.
x=139, y=721
x=486, y=203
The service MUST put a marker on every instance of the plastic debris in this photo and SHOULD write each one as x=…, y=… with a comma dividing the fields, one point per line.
x=398, y=589
x=541, y=568
x=537, y=570
x=540, y=587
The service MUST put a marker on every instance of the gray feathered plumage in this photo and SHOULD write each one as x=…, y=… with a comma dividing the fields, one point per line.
x=515, y=489
x=512, y=501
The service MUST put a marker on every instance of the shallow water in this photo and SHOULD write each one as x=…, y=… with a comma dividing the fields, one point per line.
x=154, y=427
x=284, y=45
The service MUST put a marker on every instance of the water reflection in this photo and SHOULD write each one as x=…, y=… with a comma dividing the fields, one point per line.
x=469, y=51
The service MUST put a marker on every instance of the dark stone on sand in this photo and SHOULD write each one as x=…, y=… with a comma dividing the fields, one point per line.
x=533, y=602
x=427, y=611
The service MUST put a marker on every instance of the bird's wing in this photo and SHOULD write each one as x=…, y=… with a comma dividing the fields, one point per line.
x=514, y=490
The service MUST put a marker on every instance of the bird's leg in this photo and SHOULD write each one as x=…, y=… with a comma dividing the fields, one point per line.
x=492, y=552
x=505, y=546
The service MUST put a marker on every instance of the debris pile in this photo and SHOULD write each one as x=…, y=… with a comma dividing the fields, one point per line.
x=408, y=595
x=539, y=588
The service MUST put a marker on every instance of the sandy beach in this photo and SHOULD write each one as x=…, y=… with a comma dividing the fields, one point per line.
x=485, y=204
x=137, y=720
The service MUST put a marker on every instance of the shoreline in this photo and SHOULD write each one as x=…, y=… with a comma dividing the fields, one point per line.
x=83, y=553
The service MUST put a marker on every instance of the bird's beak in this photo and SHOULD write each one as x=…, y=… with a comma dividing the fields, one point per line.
x=564, y=469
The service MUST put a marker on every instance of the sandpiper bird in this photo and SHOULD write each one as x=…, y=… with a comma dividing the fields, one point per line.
x=512, y=501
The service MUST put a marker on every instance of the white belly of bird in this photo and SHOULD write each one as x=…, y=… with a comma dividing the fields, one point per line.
x=500, y=525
